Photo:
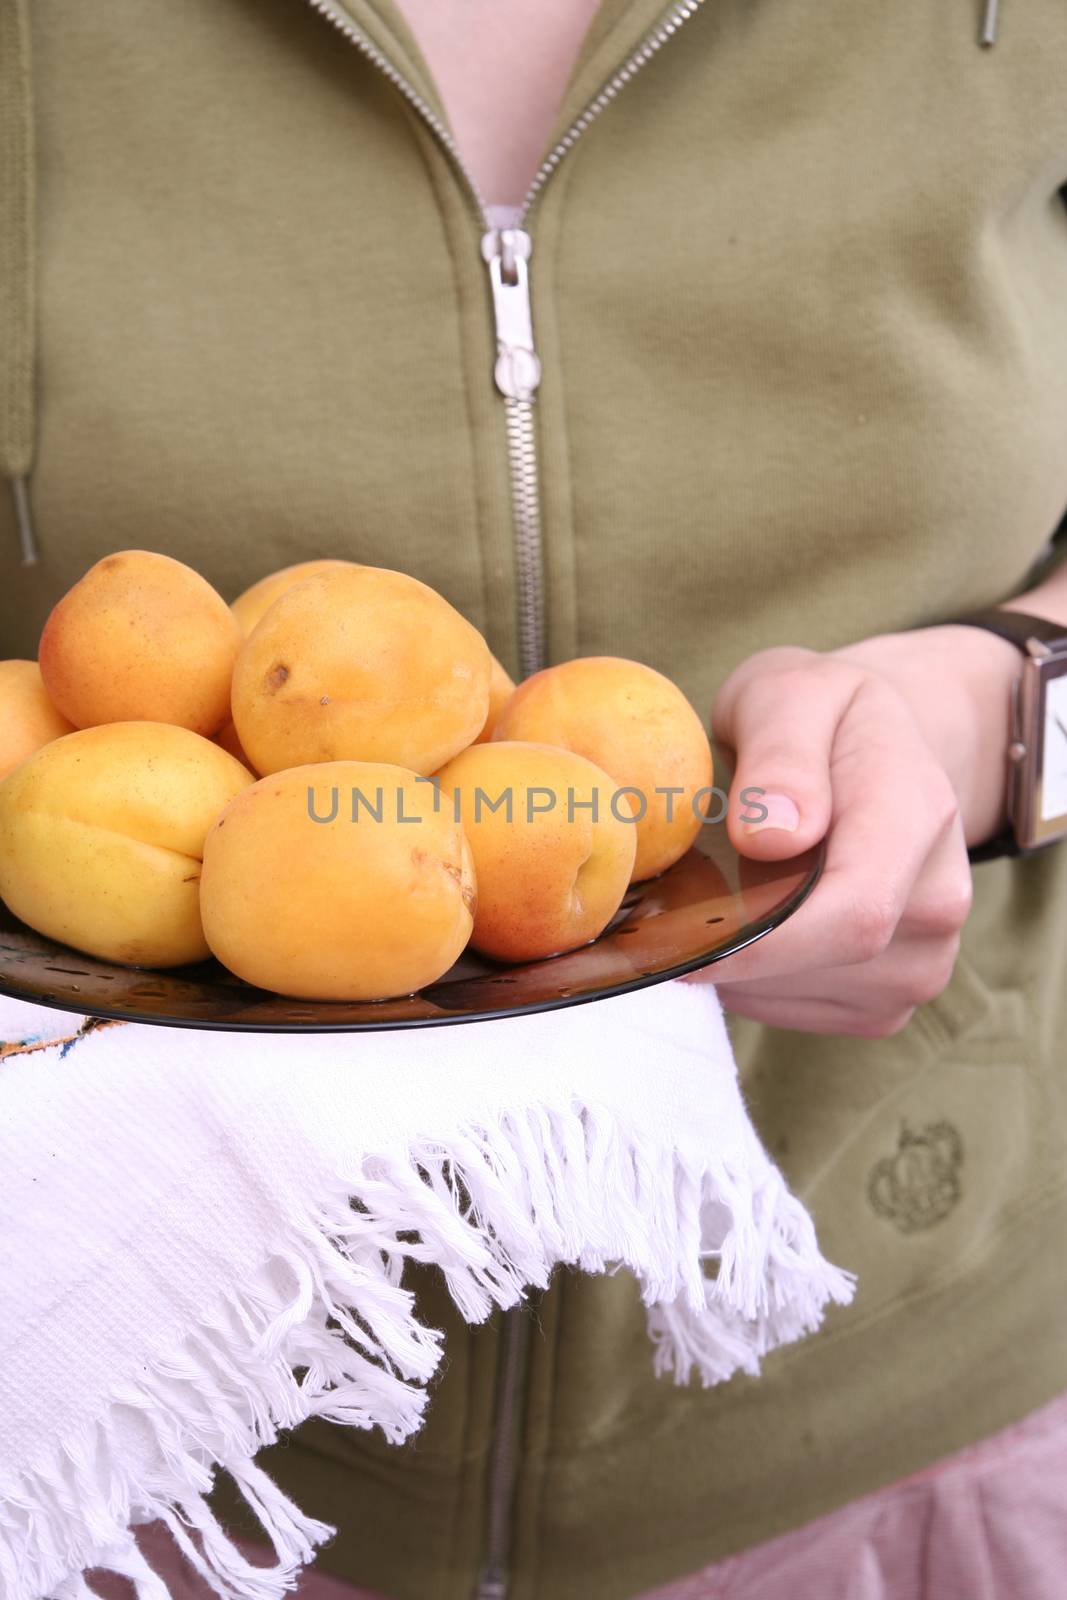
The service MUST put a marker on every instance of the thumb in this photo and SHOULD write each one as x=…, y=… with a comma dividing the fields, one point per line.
x=780, y=712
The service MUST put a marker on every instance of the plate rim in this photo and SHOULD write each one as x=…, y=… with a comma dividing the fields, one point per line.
x=754, y=932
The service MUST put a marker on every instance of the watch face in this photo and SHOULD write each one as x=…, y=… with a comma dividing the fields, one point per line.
x=1054, y=763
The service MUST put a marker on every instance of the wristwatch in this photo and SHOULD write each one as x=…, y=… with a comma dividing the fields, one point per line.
x=1037, y=751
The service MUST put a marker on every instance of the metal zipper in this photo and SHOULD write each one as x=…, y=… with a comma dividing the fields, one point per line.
x=649, y=46
x=515, y=243
x=368, y=48
x=517, y=368
x=517, y=374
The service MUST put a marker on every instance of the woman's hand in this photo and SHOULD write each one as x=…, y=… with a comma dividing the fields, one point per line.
x=895, y=750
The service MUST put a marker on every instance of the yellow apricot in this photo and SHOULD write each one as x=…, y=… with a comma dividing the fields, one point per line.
x=345, y=880
x=227, y=738
x=102, y=834
x=501, y=689
x=552, y=852
x=360, y=664
x=637, y=725
x=256, y=601
x=28, y=719
x=141, y=638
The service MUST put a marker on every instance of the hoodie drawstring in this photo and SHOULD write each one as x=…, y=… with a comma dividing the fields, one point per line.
x=988, y=35
x=17, y=268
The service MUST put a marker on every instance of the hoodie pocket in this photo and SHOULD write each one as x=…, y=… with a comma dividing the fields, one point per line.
x=944, y=1157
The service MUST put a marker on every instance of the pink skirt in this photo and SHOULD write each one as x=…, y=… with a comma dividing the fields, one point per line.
x=985, y=1524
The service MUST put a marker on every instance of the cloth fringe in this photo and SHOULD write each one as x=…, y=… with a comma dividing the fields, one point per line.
x=727, y=1260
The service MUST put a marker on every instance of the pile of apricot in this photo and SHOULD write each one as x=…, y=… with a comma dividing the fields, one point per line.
x=330, y=785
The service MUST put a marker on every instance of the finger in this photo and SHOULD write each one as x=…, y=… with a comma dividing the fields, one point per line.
x=892, y=805
x=780, y=712
x=905, y=977
x=816, y=1016
x=941, y=900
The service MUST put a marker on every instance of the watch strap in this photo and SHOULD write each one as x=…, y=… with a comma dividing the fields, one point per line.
x=1015, y=626
x=1003, y=843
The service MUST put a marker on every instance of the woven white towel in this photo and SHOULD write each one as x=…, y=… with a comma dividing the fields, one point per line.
x=202, y=1239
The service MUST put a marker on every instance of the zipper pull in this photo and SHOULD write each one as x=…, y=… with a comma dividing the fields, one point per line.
x=518, y=370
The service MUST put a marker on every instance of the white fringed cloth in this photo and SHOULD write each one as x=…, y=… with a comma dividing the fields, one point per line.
x=203, y=1239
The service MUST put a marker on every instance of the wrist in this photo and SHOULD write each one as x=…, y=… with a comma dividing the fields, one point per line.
x=957, y=682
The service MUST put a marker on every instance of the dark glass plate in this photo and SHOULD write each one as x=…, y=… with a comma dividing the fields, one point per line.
x=710, y=904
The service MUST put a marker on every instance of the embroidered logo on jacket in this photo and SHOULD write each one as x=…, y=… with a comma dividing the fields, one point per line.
x=919, y=1185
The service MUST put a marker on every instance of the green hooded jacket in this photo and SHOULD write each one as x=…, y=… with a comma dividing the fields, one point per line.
x=799, y=295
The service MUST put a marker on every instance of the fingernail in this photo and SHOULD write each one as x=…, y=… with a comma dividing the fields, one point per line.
x=781, y=813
